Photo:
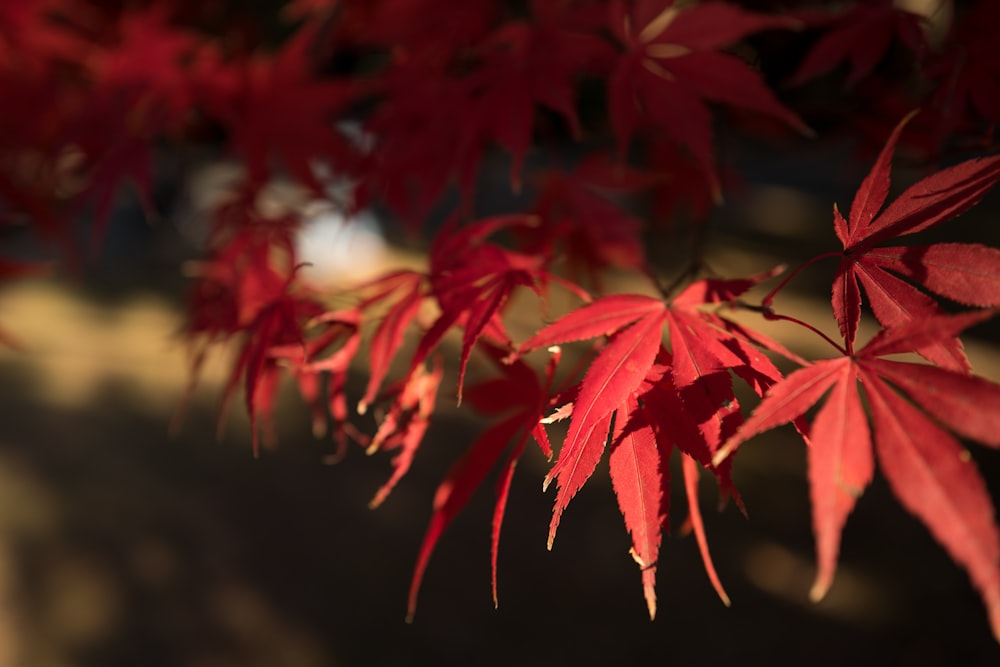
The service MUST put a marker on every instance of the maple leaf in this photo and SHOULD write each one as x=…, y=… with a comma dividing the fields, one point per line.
x=640, y=435
x=275, y=106
x=418, y=149
x=520, y=392
x=148, y=56
x=656, y=414
x=686, y=397
x=406, y=423
x=141, y=87
x=704, y=348
x=640, y=478
x=967, y=73
x=927, y=469
x=593, y=231
x=529, y=62
x=247, y=289
x=672, y=66
x=116, y=150
x=966, y=273
x=472, y=281
x=861, y=35
x=388, y=336
x=635, y=325
x=339, y=341
x=269, y=317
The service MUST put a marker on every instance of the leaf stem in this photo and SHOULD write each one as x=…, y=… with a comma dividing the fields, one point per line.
x=766, y=302
x=769, y=314
x=668, y=289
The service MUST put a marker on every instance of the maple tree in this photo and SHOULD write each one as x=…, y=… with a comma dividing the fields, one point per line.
x=639, y=87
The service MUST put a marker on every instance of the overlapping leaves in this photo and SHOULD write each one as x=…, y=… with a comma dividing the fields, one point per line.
x=928, y=470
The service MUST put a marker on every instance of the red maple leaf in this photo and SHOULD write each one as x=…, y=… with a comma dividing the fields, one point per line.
x=409, y=289
x=861, y=35
x=687, y=397
x=472, y=280
x=242, y=293
x=247, y=289
x=966, y=273
x=641, y=480
x=418, y=148
x=577, y=219
x=277, y=107
x=520, y=396
x=705, y=348
x=647, y=429
x=967, y=74
x=672, y=66
x=529, y=62
x=927, y=469
x=406, y=422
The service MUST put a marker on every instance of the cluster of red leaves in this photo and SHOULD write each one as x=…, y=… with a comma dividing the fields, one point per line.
x=100, y=82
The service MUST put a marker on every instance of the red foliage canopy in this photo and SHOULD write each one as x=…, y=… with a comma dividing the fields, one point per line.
x=432, y=88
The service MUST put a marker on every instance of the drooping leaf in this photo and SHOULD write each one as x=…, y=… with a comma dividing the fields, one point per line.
x=691, y=471
x=521, y=393
x=637, y=476
x=388, y=336
x=927, y=470
x=840, y=469
x=616, y=372
x=454, y=492
x=935, y=479
x=406, y=423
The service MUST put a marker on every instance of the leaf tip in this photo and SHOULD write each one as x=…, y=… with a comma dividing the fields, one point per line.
x=649, y=589
x=722, y=455
x=819, y=590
